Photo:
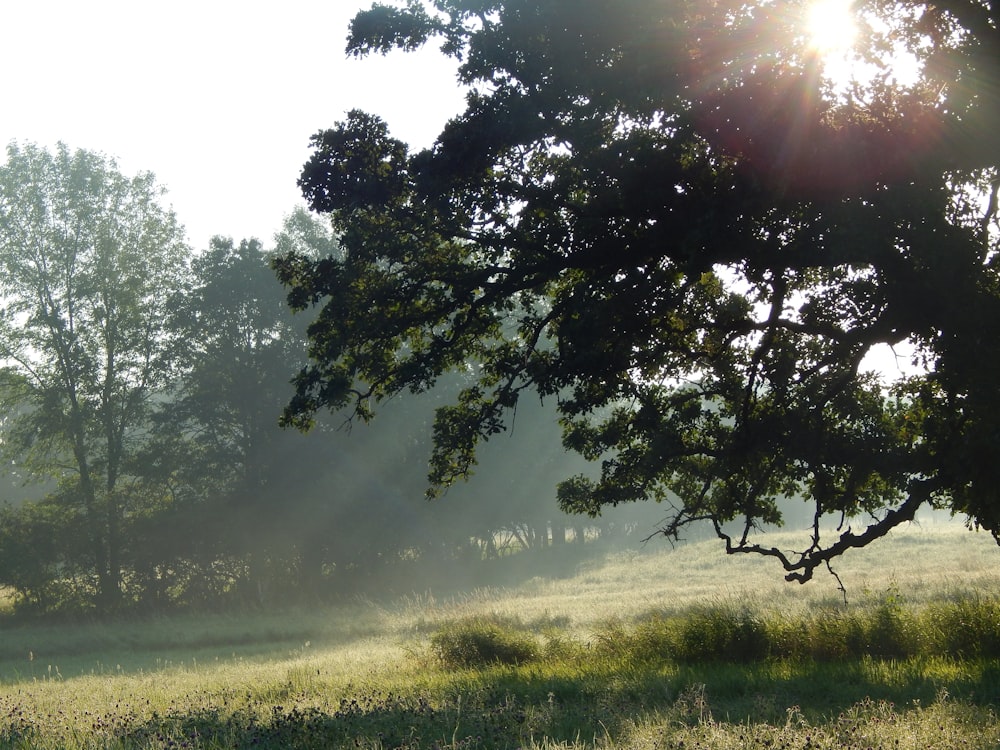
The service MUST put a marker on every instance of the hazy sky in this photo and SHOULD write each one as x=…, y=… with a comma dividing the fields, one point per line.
x=218, y=98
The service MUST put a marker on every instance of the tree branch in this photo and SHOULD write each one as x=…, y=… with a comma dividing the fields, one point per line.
x=802, y=568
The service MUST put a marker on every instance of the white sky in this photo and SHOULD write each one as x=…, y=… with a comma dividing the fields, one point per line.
x=217, y=98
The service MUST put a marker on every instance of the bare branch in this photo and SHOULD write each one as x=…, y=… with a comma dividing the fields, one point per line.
x=802, y=565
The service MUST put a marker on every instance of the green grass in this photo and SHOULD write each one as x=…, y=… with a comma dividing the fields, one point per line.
x=638, y=651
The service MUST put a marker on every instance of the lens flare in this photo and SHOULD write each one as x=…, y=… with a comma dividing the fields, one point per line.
x=831, y=27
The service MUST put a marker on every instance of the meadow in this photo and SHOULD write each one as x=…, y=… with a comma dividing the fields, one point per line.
x=649, y=648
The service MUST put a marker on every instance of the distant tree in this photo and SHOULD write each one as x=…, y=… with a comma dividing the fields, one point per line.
x=88, y=257
x=663, y=217
x=304, y=234
x=219, y=428
x=240, y=339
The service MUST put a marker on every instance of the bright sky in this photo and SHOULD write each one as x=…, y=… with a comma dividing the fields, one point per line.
x=218, y=98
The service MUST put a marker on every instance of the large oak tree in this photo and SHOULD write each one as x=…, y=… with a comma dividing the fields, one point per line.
x=664, y=217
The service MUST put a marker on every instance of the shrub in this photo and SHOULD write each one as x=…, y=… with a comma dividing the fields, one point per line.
x=482, y=641
x=968, y=627
x=891, y=630
x=722, y=633
x=703, y=634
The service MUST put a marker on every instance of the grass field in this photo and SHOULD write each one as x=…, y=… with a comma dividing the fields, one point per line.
x=607, y=662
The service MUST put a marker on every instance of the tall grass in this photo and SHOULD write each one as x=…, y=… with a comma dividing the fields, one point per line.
x=963, y=628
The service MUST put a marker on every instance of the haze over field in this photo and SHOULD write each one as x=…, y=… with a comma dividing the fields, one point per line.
x=625, y=650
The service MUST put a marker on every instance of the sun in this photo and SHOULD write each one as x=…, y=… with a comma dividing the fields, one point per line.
x=834, y=32
x=831, y=28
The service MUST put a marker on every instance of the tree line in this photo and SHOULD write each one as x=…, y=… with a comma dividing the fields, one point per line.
x=141, y=388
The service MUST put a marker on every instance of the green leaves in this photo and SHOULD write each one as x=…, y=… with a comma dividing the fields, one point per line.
x=383, y=28
x=356, y=166
x=88, y=259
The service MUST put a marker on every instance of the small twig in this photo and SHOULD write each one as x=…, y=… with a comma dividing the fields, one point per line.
x=840, y=584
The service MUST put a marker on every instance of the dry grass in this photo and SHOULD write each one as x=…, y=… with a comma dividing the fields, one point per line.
x=934, y=560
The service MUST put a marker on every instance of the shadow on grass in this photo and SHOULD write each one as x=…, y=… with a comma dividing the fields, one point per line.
x=514, y=707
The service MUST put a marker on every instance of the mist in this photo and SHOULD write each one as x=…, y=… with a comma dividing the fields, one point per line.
x=214, y=506
x=211, y=505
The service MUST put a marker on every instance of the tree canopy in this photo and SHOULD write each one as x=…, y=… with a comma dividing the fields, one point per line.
x=664, y=217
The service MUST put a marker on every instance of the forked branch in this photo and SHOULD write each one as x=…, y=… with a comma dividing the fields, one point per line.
x=800, y=566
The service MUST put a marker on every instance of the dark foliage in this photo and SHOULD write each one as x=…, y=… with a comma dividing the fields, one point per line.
x=483, y=641
x=659, y=216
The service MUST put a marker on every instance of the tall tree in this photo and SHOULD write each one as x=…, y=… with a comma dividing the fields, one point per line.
x=697, y=240
x=220, y=426
x=88, y=257
x=240, y=340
